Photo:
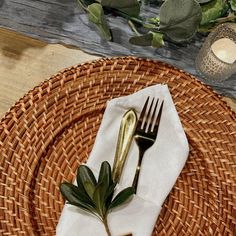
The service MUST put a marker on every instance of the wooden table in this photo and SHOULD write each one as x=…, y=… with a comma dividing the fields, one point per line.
x=26, y=62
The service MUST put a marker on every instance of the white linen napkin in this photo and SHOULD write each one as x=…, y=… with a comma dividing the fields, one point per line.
x=161, y=166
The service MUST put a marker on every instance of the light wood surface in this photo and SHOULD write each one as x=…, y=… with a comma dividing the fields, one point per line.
x=26, y=62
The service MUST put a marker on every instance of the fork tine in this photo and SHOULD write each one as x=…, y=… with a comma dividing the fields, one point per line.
x=147, y=123
x=140, y=120
x=158, y=118
x=152, y=121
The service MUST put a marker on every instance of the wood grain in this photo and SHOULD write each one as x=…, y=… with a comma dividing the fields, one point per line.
x=62, y=21
x=26, y=62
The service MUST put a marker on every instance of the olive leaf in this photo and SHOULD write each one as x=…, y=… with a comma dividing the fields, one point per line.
x=212, y=11
x=153, y=39
x=109, y=194
x=89, y=188
x=75, y=197
x=84, y=177
x=96, y=16
x=130, y=7
x=105, y=174
x=179, y=19
x=121, y=197
x=98, y=199
x=95, y=196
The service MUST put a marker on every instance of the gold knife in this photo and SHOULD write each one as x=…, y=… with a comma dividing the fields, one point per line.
x=126, y=132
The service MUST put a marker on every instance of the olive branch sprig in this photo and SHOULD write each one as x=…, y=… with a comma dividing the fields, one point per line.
x=95, y=196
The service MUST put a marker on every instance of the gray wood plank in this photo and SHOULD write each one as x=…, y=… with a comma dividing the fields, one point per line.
x=61, y=21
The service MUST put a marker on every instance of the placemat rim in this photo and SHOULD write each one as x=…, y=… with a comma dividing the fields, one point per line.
x=184, y=88
x=215, y=94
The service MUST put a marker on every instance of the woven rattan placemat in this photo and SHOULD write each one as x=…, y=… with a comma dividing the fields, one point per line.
x=51, y=130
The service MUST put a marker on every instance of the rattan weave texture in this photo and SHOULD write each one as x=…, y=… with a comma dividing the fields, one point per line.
x=51, y=130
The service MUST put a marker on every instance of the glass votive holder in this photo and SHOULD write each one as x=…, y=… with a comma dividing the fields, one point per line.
x=216, y=59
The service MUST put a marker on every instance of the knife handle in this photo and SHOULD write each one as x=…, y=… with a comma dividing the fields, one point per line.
x=125, y=136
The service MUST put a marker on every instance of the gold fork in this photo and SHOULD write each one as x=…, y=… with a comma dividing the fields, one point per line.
x=146, y=132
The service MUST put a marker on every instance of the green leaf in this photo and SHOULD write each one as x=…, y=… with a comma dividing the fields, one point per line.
x=94, y=197
x=157, y=40
x=89, y=188
x=75, y=197
x=211, y=11
x=233, y=4
x=142, y=40
x=179, y=19
x=99, y=199
x=84, y=174
x=105, y=173
x=89, y=2
x=109, y=194
x=122, y=197
x=153, y=39
x=153, y=20
x=96, y=16
x=130, y=7
x=153, y=1
x=71, y=188
x=86, y=2
x=204, y=1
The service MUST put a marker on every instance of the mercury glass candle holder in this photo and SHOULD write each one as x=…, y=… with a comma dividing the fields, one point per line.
x=216, y=59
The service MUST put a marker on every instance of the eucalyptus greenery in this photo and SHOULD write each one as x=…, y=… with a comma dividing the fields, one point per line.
x=178, y=20
x=95, y=197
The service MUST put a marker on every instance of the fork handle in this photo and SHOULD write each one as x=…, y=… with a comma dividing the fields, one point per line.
x=136, y=177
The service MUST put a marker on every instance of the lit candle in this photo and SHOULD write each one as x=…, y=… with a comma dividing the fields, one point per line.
x=225, y=50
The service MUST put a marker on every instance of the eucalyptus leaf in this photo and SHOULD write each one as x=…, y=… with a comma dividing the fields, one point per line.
x=211, y=11
x=86, y=2
x=96, y=16
x=204, y=1
x=153, y=39
x=153, y=20
x=130, y=7
x=226, y=11
x=233, y=4
x=122, y=197
x=142, y=40
x=157, y=40
x=154, y=1
x=179, y=19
